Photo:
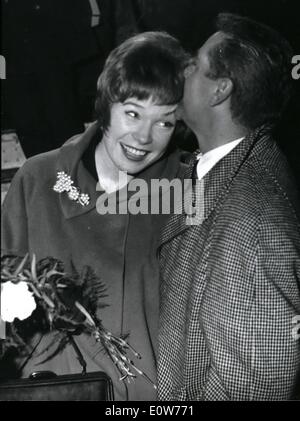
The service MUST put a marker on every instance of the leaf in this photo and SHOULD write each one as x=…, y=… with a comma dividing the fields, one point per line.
x=74, y=274
x=35, y=291
x=33, y=268
x=93, y=291
x=21, y=266
x=48, y=301
x=57, y=336
x=5, y=272
x=87, y=315
x=67, y=323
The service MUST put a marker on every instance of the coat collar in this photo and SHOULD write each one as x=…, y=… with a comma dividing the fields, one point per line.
x=214, y=185
x=70, y=161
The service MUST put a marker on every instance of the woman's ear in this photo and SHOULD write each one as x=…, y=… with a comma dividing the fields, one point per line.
x=222, y=92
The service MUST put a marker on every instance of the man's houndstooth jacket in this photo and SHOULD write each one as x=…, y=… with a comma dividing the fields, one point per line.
x=230, y=284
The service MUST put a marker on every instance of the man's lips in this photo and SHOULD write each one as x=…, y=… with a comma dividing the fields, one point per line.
x=134, y=153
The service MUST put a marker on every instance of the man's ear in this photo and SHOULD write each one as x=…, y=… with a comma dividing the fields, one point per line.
x=223, y=90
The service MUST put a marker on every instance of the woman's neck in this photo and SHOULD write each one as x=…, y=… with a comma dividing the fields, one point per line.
x=110, y=177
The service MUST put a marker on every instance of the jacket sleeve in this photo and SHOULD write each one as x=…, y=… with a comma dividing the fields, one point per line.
x=14, y=224
x=251, y=332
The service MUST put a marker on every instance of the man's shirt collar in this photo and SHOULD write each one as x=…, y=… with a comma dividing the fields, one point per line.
x=208, y=160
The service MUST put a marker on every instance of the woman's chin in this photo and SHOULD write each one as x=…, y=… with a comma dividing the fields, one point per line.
x=134, y=167
x=136, y=170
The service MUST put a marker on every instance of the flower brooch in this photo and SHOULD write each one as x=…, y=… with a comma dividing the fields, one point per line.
x=64, y=184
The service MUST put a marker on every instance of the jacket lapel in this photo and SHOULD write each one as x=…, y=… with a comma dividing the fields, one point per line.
x=177, y=222
x=211, y=189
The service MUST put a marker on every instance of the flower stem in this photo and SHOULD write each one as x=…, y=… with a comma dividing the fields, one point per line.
x=78, y=352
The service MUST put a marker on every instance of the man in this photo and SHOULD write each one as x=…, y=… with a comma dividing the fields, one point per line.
x=230, y=282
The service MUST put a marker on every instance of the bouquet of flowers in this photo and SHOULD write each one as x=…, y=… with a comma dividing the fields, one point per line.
x=66, y=303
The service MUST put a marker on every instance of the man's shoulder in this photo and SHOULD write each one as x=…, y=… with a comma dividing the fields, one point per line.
x=265, y=183
x=270, y=170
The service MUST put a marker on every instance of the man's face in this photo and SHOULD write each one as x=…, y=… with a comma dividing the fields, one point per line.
x=198, y=89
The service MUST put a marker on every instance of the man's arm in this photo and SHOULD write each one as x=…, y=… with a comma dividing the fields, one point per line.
x=254, y=353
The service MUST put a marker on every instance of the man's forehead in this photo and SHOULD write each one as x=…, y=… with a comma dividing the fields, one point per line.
x=213, y=40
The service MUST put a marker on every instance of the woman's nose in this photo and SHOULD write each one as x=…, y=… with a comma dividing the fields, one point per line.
x=143, y=134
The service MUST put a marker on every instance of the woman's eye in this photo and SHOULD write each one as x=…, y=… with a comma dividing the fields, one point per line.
x=166, y=124
x=132, y=114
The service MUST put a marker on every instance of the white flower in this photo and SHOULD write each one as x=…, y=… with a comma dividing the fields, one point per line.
x=16, y=301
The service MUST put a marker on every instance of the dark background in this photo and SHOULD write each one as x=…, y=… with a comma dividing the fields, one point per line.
x=54, y=57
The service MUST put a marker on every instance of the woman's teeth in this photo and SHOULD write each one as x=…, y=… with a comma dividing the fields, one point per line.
x=134, y=151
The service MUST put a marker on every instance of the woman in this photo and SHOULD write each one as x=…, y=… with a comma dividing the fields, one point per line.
x=137, y=96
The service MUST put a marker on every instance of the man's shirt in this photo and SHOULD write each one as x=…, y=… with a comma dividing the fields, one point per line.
x=209, y=159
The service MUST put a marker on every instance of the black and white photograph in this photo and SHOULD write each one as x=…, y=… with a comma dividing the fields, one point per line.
x=150, y=203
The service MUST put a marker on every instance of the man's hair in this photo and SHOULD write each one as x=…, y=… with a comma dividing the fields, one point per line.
x=147, y=65
x=257, y=60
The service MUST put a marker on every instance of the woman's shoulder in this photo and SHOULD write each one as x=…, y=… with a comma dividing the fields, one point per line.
x=45, y=158
x=49, y=160
x=184, y=158
x=41, y=164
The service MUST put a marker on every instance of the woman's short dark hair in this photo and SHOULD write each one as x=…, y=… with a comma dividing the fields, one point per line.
x=147, y=65
x=257, y=59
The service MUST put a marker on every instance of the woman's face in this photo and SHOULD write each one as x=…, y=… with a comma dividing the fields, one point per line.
x=138, y=135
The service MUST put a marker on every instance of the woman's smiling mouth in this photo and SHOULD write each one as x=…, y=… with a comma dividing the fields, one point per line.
x=133, y=153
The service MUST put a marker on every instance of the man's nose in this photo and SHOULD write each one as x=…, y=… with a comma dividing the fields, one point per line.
x=143, y=133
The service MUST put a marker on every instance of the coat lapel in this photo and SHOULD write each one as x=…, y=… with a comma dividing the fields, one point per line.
x=208, y=192
x=177, y=222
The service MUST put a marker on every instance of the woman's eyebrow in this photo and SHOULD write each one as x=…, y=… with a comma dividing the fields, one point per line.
x=142, y=106
x=133, y=103
x=171, y=112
